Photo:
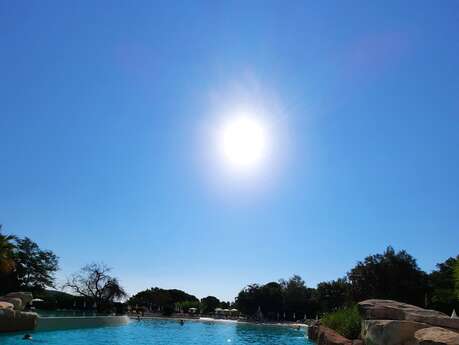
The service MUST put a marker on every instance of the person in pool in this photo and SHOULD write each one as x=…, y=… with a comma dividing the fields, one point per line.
x=27, y=337
x=182, y=322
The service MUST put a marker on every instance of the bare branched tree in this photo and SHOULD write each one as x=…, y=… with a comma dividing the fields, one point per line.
x=95, y=282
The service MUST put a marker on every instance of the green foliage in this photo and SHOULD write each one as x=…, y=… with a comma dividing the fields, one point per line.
x=225, y=305
x=273, y=299
x=157, y=298
x=24, y=265
x=208, y=304
x=295, y=295
x=35, y=267
x=248, y=299
x=456, y=278
x=334, y=294
x=389, y=275
x=346, y=322
x=444, y=287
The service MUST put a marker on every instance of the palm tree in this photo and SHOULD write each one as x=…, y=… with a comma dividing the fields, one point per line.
x=7, y=247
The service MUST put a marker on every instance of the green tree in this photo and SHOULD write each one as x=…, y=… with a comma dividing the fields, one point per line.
x=225, y=304
x=249, y=299
x=273, y=299
x=157, y=298
x=443, y=286
x=456, y=278
x=95, y=283
x=209, y=303
x=296, y=297
x=35, y=267
x=333, y=295
x=389, y=275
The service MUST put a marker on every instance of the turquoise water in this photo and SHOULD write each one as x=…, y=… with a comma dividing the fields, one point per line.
x=159, y=332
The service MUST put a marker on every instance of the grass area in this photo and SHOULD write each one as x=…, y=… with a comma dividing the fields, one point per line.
x=346, y=322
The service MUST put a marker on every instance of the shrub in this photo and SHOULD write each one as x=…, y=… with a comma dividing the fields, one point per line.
x=346, y=322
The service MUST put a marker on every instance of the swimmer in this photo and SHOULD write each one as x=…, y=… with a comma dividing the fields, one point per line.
x=182, y=322
x=27, y=337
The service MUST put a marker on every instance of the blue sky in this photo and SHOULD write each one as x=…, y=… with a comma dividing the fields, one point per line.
x=105, y=109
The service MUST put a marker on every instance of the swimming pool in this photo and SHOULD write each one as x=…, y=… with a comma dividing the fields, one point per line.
x=166, y=332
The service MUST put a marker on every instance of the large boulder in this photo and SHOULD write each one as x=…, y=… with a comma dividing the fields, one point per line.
x=377, y=309
x=390, y=332
x=322, y=335
x=26, y=297
x=14, y=320
x=328, y=336
x=16, y=302
x=6, y=305
x=436, y=336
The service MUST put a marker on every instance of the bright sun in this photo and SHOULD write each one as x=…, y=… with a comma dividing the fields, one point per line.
x=243, y=142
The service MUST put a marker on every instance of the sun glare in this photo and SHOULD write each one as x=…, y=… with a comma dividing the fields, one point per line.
x=243, y=142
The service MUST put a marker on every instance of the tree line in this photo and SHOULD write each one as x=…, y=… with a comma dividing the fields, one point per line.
x=24, y=266
x=168, y=301
x=390, y=275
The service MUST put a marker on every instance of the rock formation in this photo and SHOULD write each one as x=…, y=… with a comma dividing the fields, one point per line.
x=436, y=336
x=12, y=318
x=378, y=309
x=387, y=322
x=325, y=336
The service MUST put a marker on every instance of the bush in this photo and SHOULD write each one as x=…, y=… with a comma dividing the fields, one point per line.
x=346, y=322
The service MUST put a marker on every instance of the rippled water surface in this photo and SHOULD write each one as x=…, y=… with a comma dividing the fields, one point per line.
x=158, y=332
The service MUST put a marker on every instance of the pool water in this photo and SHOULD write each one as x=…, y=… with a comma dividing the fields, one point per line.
x=166, y=332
